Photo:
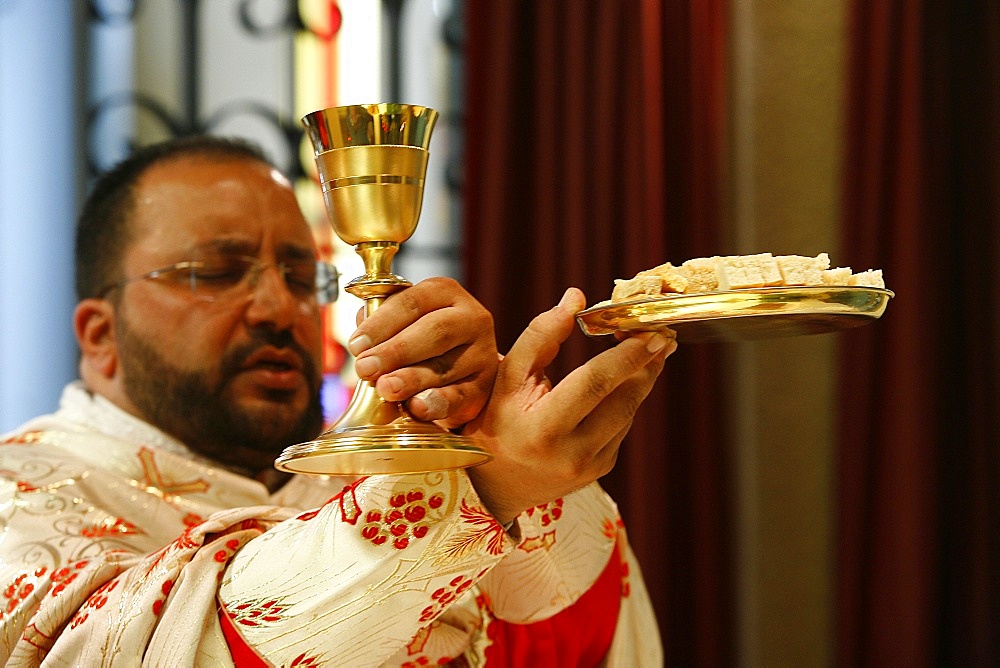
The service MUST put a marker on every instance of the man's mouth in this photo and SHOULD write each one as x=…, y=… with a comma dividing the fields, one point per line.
x=274, y=368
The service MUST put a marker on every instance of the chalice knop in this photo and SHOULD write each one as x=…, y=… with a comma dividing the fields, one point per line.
x=372, y=160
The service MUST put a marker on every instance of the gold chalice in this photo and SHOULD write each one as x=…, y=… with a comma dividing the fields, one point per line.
x=372, y=160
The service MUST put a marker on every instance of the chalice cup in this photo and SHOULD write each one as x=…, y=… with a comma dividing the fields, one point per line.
x=372, y=160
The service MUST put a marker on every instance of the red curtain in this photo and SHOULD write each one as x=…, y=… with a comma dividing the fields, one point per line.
x=919, y=481
x=594, y=137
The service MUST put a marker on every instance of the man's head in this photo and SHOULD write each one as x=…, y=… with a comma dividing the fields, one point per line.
x=195, y=310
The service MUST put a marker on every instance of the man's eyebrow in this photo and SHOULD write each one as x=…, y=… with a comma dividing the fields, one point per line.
x=229, y=246
x=296, y=252
x=233, y=246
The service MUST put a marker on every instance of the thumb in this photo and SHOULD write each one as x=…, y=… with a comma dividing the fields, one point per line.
x=539, y=344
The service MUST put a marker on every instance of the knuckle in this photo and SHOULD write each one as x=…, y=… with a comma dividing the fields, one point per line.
x=409, y=300
x=599, y=383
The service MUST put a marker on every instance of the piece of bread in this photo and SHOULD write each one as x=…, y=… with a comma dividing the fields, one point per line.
x=638, y=286
x=700, y=274
x=673, y=279
x=736, y=272
x=837, y=276
x=802, y=270
x=868, y=279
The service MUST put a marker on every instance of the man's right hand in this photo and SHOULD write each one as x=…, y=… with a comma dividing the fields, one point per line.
x=550, y=441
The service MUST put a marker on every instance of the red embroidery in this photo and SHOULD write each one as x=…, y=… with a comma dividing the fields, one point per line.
x=222, y=556
x=25, y=486
x=402, y=521
x=416, y=646
x=16, y=592
x=488, y=529
x=27, y=438
x=626, y=585
x=111, y=526
x=256, y=613
x=165, y=590
x=96, y=601
x=65, y=576
x=445, y=596
x=548, y=512
x=350, y=509
x=192, y=520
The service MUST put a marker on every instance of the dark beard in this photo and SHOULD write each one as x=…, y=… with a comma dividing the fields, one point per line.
x=186, y=405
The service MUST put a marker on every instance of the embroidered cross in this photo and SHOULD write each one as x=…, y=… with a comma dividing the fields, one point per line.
x=154, y=479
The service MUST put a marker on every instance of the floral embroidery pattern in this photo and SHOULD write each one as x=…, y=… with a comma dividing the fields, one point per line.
x=548, y=513
x=626, y=584
x=110, y=526
x=350, y=509
x=65, y=576
x=27, y=437
x=445, y=596
x=487, y=530
x=403, y=520
x=543, y=542
x=16, y=592
x=165, y=590
x=257, y=613
x=96, y=601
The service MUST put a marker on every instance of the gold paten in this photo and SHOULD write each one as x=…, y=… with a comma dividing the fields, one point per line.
x=741, y=315
x=372, y=160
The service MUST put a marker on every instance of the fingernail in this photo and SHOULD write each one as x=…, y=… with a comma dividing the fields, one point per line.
x=656, y=343
x=359, y=344
x=437, y=405
x=565, y=298
x=392, y=384
x=368, y=366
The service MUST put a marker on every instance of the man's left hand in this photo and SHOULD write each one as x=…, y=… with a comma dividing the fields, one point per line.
x=434, y=345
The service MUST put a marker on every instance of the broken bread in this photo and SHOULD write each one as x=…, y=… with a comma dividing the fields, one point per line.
x=741, y=272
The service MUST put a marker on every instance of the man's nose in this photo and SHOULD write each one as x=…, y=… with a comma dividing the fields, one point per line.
x=271, y=301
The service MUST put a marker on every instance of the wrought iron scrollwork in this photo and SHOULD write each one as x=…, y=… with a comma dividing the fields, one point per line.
x=193, y=119
x=112, y=13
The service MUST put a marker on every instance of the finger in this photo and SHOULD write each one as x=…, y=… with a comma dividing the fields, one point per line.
x=591, y=383
x=449, y=343
x=453, y=405
x=613, y=416
x=455, y=365
x=539, y=344
x=404, y=308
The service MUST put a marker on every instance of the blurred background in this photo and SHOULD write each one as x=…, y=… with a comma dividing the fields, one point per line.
x=824, y=500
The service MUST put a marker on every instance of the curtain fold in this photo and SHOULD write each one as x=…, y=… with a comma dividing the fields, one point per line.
x=594, y=141
x=919, y=480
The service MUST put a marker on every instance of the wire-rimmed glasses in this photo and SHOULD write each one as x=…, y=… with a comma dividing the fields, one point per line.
x=233, y=277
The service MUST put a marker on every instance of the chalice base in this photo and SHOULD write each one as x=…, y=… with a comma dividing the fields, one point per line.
x=375, y=436
x=407, y=446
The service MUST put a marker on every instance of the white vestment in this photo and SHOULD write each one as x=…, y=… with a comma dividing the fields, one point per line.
x=120, y=546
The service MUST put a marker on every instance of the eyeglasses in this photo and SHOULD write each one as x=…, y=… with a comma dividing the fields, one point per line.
x=233, y=277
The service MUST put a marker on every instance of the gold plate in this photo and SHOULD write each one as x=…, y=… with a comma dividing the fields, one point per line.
x=741, y=315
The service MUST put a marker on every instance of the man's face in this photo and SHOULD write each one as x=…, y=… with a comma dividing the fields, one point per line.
x=237, y=379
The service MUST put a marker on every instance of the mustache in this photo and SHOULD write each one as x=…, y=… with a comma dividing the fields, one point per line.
x=234, y=358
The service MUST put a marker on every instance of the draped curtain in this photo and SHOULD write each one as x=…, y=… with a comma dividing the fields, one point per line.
x=919, y=544
x=594, y=144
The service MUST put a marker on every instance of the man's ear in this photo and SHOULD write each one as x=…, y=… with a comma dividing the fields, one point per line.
x=94, y=325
